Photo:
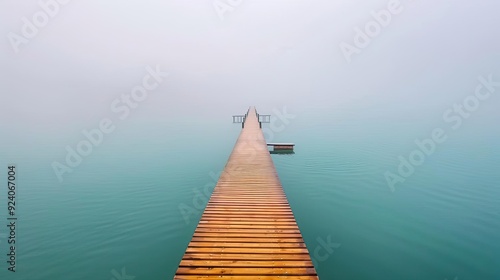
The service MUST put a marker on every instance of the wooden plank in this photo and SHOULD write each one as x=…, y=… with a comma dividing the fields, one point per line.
x=247, y=230
x=254, y=208
x=246, y=219
x=288, y=216
x=243, y=240
x=245, y=263
x=248, y=235
x=243, y=277
x=247, y=250
x=218, y=223
x=254, y=225
x=248, y=202
x=260, y=215
x=248, y=212
x=246, y=244
x=246, y=270
x=246, y=256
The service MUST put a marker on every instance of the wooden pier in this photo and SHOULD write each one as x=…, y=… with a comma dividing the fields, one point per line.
x=247, y=230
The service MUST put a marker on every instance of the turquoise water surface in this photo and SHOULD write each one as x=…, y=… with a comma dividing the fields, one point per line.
x=119, y=213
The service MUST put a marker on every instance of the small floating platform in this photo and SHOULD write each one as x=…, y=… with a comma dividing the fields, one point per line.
x=281, y=146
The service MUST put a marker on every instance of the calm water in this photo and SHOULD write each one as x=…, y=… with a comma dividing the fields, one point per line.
x=120, y=209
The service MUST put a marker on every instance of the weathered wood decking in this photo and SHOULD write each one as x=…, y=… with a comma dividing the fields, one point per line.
x=247, y=230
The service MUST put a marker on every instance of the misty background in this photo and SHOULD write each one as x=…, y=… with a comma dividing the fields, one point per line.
x=264, y=53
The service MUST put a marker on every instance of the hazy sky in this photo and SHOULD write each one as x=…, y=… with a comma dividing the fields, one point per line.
x=263, y=53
